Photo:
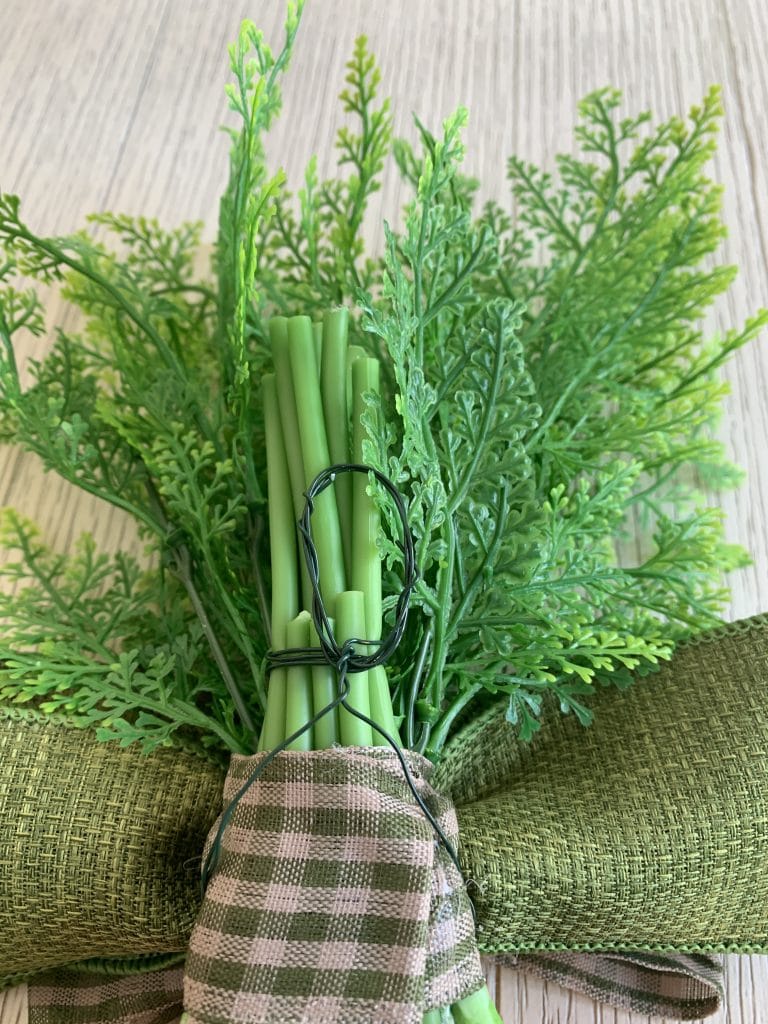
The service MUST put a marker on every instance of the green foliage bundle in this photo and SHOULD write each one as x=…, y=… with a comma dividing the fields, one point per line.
x=547, y=390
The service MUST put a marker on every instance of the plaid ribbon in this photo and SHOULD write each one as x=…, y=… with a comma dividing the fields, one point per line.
x=683, y=987
x=69, y=996
x=332, y=901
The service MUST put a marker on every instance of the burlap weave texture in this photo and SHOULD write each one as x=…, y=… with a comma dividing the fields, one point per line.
x=545, y=829
x=646, y=831
x=99, y=846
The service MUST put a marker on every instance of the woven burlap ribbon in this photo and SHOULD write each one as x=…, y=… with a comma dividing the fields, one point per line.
x=617, y=860
x=332, y=902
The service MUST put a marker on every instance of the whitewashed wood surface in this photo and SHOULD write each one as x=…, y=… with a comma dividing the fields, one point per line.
x=115, y=105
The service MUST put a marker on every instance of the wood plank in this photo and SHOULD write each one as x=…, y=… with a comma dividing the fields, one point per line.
x=13, y=1005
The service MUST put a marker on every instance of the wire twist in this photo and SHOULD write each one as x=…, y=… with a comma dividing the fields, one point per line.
x=343, y=657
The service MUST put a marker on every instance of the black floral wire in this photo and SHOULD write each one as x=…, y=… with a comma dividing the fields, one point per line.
x=343, y=657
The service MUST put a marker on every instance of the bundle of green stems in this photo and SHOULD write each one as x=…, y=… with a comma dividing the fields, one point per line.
x=313, y=406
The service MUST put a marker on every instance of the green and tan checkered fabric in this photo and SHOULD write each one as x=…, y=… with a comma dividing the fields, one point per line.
x=451, y=937
x=329, y=903
x=681, y=986
x=82, y=997
x=677, y=986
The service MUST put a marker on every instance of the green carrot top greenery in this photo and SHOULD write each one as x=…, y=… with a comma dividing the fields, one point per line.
x=545, y=392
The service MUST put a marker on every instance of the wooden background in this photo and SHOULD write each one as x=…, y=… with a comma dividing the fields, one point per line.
x=115, y=105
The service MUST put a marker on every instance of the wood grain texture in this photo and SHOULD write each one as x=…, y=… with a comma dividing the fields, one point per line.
x=115, y=105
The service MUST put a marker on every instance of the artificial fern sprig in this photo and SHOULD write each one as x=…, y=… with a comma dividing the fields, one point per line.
x=105, y=641
x=546, y=391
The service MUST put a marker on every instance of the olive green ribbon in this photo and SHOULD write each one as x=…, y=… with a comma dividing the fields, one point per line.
x=621, y=859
